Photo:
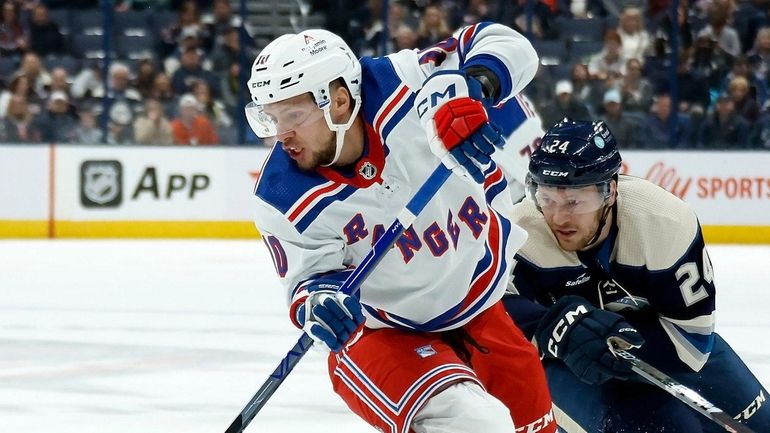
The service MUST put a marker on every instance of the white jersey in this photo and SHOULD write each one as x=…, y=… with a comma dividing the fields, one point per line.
x=454, y=261
x=523, y=130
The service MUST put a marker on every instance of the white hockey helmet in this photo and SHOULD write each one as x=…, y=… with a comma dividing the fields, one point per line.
x=295, y=64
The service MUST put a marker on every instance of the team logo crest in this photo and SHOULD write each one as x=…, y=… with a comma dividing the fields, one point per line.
x=425, y=351
x=367, y=170
x=609, y=287
x=100, y=183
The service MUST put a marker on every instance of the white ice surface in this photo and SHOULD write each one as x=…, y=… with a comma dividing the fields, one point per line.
x=176, y=337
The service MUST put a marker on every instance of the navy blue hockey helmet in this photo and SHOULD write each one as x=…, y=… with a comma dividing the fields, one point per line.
x=574, y=154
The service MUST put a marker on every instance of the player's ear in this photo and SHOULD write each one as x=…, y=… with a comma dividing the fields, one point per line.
x=342, y=102
x=613, y=192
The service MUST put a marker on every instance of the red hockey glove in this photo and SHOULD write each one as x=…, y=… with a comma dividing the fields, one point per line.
x=457, y=124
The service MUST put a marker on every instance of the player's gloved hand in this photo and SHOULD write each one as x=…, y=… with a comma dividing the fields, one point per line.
x=330, y=318
x=452, y=111
x=579, y=334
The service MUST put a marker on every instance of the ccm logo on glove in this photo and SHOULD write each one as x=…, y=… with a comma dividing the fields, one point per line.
x=561, y=328
x=434, y=98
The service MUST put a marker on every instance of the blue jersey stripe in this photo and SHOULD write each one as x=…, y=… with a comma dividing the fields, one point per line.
x=272, y=187
x=322, y=204
x=398, y=115
x=508, y=116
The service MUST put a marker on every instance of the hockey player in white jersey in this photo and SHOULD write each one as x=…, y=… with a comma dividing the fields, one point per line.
x=426, y=346
x=614, y=257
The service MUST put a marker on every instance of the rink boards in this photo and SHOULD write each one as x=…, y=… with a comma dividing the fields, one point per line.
x=206, y=192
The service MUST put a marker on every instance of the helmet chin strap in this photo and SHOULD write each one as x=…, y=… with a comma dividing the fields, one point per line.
x=602, y=221
x=340, y=129
x=605, y=212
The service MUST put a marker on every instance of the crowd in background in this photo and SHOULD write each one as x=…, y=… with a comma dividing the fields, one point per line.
x=178, y=80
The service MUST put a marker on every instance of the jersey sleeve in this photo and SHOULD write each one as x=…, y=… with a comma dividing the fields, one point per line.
x=298, y=257
x=521, y=296
x=684, y=296
x=500, y=49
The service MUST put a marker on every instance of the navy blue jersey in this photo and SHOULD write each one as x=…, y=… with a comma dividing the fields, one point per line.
x=654, y=269
x=654, y=262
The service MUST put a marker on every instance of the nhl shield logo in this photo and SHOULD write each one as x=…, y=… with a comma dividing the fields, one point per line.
x=425, y=351
x=101, y=183
x=367, y=170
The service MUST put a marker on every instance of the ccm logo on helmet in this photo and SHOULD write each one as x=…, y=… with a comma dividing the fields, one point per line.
x=261, y=83
x=555, y=173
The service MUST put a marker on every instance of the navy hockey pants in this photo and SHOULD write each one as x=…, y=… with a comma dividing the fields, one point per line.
x=636, y=407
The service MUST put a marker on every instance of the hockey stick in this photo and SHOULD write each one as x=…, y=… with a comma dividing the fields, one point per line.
x=685, y=394
x=404, y=219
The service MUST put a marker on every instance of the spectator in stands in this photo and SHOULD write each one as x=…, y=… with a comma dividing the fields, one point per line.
x=694, y=88
x=582, y=9
x=20, y=86
x=13, y=34
x=164, y=93
x=215, y=111
x=120, y=87
x=229, y=85
x=624, y=128
x=88, y=83
x=88, y=130
x=720, y=30
x=745, y=104
x=609, y=63
x=665, y=28
x=564, y=105
x=119, y=126
x=636, y=91
x=191, y=71
x=542, y=18
x=635, y=41
x=759, y=55
x=399, y=15
x=192, y=127
x=16, y=126
x=189, y=17
x=656, y=126
x=57, y=124
x=759, y=137
x=433, y=27
x=59, y=81
x=153, y=127
x=405, y=38
x=227, y=52
x=742, y=68
x=189, y=39
x=709, y=61
x=145, y=78
x=724, y=128
x=222, y=21
x=32, y=68
x=475, y=12
x=44, y=35
x=586, y=90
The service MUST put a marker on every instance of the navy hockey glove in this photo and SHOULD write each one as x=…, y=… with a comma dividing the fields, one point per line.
x=579, y=334
x=330, y=318
x=451, y=106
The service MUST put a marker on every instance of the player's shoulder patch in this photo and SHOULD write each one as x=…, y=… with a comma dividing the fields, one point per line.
x=655, y=228
x=282, y=184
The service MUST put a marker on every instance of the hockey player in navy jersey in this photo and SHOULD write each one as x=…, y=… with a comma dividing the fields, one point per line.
x=616, y=259
x=426, y=345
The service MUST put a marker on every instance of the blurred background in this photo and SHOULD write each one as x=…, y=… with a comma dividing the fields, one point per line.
x=89, y=71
